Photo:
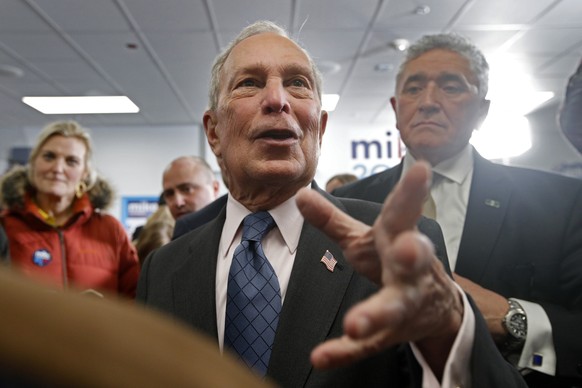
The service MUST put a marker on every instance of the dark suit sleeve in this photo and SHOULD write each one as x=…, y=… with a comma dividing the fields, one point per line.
x=194, y=220
x=488, y=367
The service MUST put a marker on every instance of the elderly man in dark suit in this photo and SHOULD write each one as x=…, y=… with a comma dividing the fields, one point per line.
x=270, y=287
x=513, y=235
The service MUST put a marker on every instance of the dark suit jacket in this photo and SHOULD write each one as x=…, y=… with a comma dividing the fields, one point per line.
x=193, y=220
x=179, y=279
x=522, y=238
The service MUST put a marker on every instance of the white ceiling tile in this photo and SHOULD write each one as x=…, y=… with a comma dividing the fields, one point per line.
x=17, y=16
x=333, y=14
x=232, y=16
x=503, y=12
x=401, y=14
x=168, y=15
x=37, y=45
x=566, y=13
x=82, y=15
x=167, y=74
x=547, y=40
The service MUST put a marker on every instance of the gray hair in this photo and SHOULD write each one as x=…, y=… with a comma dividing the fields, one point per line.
x=457, y=44
x=259, y=27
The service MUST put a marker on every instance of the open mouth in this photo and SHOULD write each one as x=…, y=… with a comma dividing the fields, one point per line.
x=278, y=134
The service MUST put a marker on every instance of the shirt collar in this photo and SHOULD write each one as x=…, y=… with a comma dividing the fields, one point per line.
x=456, y=169
x=286, y=215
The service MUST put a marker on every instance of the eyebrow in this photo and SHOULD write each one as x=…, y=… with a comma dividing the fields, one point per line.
x=287, y=69
x=443, y=77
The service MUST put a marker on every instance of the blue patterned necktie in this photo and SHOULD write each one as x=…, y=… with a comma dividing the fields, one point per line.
x=254, y=297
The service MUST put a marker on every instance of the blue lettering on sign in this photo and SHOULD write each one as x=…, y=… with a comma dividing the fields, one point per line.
x=141, y=208
x=41, y=257
x=371, y=157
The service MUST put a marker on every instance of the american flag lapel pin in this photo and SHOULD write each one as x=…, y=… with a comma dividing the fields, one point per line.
x=329, y=261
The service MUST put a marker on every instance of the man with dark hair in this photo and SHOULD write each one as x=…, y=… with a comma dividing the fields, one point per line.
x=513, y=235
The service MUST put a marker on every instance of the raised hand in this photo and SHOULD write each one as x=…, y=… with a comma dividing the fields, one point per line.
x=417, y=302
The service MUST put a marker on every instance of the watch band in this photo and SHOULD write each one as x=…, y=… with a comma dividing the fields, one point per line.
x=515, y=322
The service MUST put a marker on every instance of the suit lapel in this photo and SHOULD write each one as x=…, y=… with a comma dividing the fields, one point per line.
x=311, y=305
x=194, y=283
x=488, y=202
x=384, y=183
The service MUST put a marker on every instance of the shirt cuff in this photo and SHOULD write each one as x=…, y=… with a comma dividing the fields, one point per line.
x=457, y=371
x=538, y=352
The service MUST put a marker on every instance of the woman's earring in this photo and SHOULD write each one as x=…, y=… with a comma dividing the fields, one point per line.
x=80, y=189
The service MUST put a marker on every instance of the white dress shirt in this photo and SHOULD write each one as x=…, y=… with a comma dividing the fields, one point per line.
x=280, y=247
x=450, y=190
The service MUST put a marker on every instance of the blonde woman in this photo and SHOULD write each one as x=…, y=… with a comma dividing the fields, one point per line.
x=56, y=230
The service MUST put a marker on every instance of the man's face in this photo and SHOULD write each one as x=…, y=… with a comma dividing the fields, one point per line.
x=187, y=188
x=437, y=105
x=268, y=126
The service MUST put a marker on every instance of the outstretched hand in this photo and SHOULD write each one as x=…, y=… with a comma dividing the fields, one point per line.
x=417, y=301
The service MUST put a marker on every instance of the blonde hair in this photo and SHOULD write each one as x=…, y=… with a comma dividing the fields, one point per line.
x=157, y=231
x=69, y=129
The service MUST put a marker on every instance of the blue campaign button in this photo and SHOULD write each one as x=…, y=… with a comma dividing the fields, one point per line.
x=41, y=257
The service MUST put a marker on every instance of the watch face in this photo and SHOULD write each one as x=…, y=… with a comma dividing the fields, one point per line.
x=517, y=325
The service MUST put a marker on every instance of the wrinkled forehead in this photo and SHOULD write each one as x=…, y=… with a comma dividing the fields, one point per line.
x=435, y=63
x=267, y=50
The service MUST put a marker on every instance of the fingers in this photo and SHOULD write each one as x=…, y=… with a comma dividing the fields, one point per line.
x=403, y=206
x=409, y=262
x=322, y=214
x=342, y=351
x=391, y=315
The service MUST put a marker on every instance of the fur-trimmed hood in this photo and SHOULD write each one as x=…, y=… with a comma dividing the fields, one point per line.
x=14, y=184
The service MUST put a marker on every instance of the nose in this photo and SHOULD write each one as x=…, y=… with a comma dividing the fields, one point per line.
x=429, y=99
x=58, y=165
x=275, y=98
x=179, y=200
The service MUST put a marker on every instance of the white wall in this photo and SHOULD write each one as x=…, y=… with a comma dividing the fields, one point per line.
x=133, y=158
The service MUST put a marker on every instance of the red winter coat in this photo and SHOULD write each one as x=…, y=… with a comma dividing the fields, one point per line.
x=91, y=251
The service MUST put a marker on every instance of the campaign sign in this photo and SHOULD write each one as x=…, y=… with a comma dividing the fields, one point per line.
x=136, y=210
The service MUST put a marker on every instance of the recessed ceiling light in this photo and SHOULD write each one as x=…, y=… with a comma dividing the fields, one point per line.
x=328, y=67
x=400, y=44
x=422, y=10
x=81, y=104
x=11, y=71
x=383, y=67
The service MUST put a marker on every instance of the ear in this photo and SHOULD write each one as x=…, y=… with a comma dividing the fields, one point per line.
x=215, y=188
x=395, y=109
x=483, y=111
x=322, y=125
x=210, y=124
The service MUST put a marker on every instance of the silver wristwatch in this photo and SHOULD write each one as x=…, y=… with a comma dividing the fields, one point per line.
x=515, y=322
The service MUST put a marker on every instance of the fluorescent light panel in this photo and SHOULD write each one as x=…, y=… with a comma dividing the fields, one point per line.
x=81, y=104
x=329, y=102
